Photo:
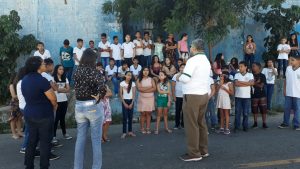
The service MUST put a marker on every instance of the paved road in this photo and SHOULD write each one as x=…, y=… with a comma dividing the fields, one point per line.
x=260, y=149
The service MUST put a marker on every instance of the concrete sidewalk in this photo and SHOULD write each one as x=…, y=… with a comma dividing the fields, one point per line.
x=265, y=149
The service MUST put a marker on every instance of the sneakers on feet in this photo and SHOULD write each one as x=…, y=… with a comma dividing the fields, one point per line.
x=297, y=128
x=188, y=158
x=227, y=131
x=54, y=140
x=175, y=128
x=22, y=151
x=255, y=125
x=67, y=137
x=283, y=126
x=123, y=136
x=55, y=145
x=54, y=157
x=221, y=130
x=204, y=155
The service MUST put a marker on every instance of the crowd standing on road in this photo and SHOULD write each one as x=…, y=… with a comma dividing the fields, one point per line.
x=151, y=75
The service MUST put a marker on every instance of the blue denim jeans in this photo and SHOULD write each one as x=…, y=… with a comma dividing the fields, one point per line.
x=249, y=59
x=291, y=103
x=88, y=114
x=282, y=63
x=242, y=107
x=116, y=84
x=26, y=134
x=105, y=61
x=211, y=112
x=127, y=116
x=269, y=88
x=118, y=63
x=147, y=60
x=69, y=73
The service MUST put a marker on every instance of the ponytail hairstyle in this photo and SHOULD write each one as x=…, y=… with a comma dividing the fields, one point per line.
x=130, y=81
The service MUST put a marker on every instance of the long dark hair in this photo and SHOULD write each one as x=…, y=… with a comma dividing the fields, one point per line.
x=63, y=76
x=251, y=38
x=296, y=39
x=130, y=81
x=266, y=62
x=225, y=75
x=164, y=82
x=141, y=75
x=236, y=64
x=220, y=62
x=153, y=59
x=12, y=80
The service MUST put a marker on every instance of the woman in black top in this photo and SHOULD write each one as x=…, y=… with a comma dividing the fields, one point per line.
x=293, y=42
x=89, y=89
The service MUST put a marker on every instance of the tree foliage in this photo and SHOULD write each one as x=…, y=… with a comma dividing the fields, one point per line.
x=280, y=22
x=11, y=46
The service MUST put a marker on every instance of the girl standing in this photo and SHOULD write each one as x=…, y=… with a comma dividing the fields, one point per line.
x=223, y=102
x=171, y=45
x=183, y=47
x=163, y=100
x=107, y=114
x=249, y=50
x=155, y=68
x=233, y=66
x=127, y=94
x=169, y=68
x=270, y=72
x=146, y=87
x=219, y=63
x=293, y=42
x=15, y=118
x=159, y=48
x=61, y=94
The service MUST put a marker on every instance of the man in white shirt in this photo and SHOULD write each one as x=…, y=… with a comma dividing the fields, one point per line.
x=135, y=68
x=139, y=47
x=111, y=71
x=148, y=45
x=195, y=79
x=116, y=51
x=77, y=51
x=104, y=48
x=128, y=50
x=42, y=52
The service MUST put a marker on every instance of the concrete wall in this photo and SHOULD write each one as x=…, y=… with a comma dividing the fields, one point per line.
x=52, y=21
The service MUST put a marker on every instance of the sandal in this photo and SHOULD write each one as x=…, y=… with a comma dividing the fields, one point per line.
x=148, y=131
x=168, y=131
x=131, y=134
x=123, y=136
x=156, y=132
x=143, y=131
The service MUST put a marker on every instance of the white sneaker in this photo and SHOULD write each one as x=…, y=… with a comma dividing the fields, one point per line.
x=67, y=137
x=54, y=140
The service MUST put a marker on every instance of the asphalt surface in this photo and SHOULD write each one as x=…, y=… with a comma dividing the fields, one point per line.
x=271, y=148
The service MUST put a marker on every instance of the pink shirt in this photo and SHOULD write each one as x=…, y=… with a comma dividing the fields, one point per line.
x=183, y=46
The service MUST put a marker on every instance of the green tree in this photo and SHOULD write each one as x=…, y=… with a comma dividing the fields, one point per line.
x=211, y=20
x=279, y=21
x=11, y=46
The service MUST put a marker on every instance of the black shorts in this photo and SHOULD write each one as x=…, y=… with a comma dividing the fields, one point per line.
x=259, y=104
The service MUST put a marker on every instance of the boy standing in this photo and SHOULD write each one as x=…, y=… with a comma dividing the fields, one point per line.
x=292, y=93
x=283, y=56
x=78, y=50
x=148, y=45
x=243, y=82
x=135, y=68
x=139, y=47
x=111, y=75
x=42, y=52
x=66, y=58
x=104, y=48
x=116, y=51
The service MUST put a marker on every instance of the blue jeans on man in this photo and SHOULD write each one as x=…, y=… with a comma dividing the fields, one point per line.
x=116, y=84
x=242, y=107
x=282, y=64
x=118, y=63
x=69, y=73
x=211, y=113
x=249, y=59
x=291, y=103
x=147, y=60
x=88, y=114
x=105, y=61
x=269, y=91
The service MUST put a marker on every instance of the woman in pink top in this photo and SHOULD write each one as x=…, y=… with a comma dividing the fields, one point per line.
x=218, y=64
x=183, y=47
x=146, y=87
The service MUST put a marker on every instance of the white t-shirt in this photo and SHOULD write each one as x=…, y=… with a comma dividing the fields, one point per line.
x=111, y=71
x=127, y=95
x=43, y=56
x=283, y=47
x=120, y=70
x=211, y=82
x=270, y=76
x=48, y=77
x=178, y=86
x=78, y=53
x=147, y=51
x=22, y=102
x=116, y=51
x=61, y=97
x=138, y=51
x=292, y=82
x=105, y=45
x=197, y=70
x=128, y=49
x=243, y=92
x=135, y=71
